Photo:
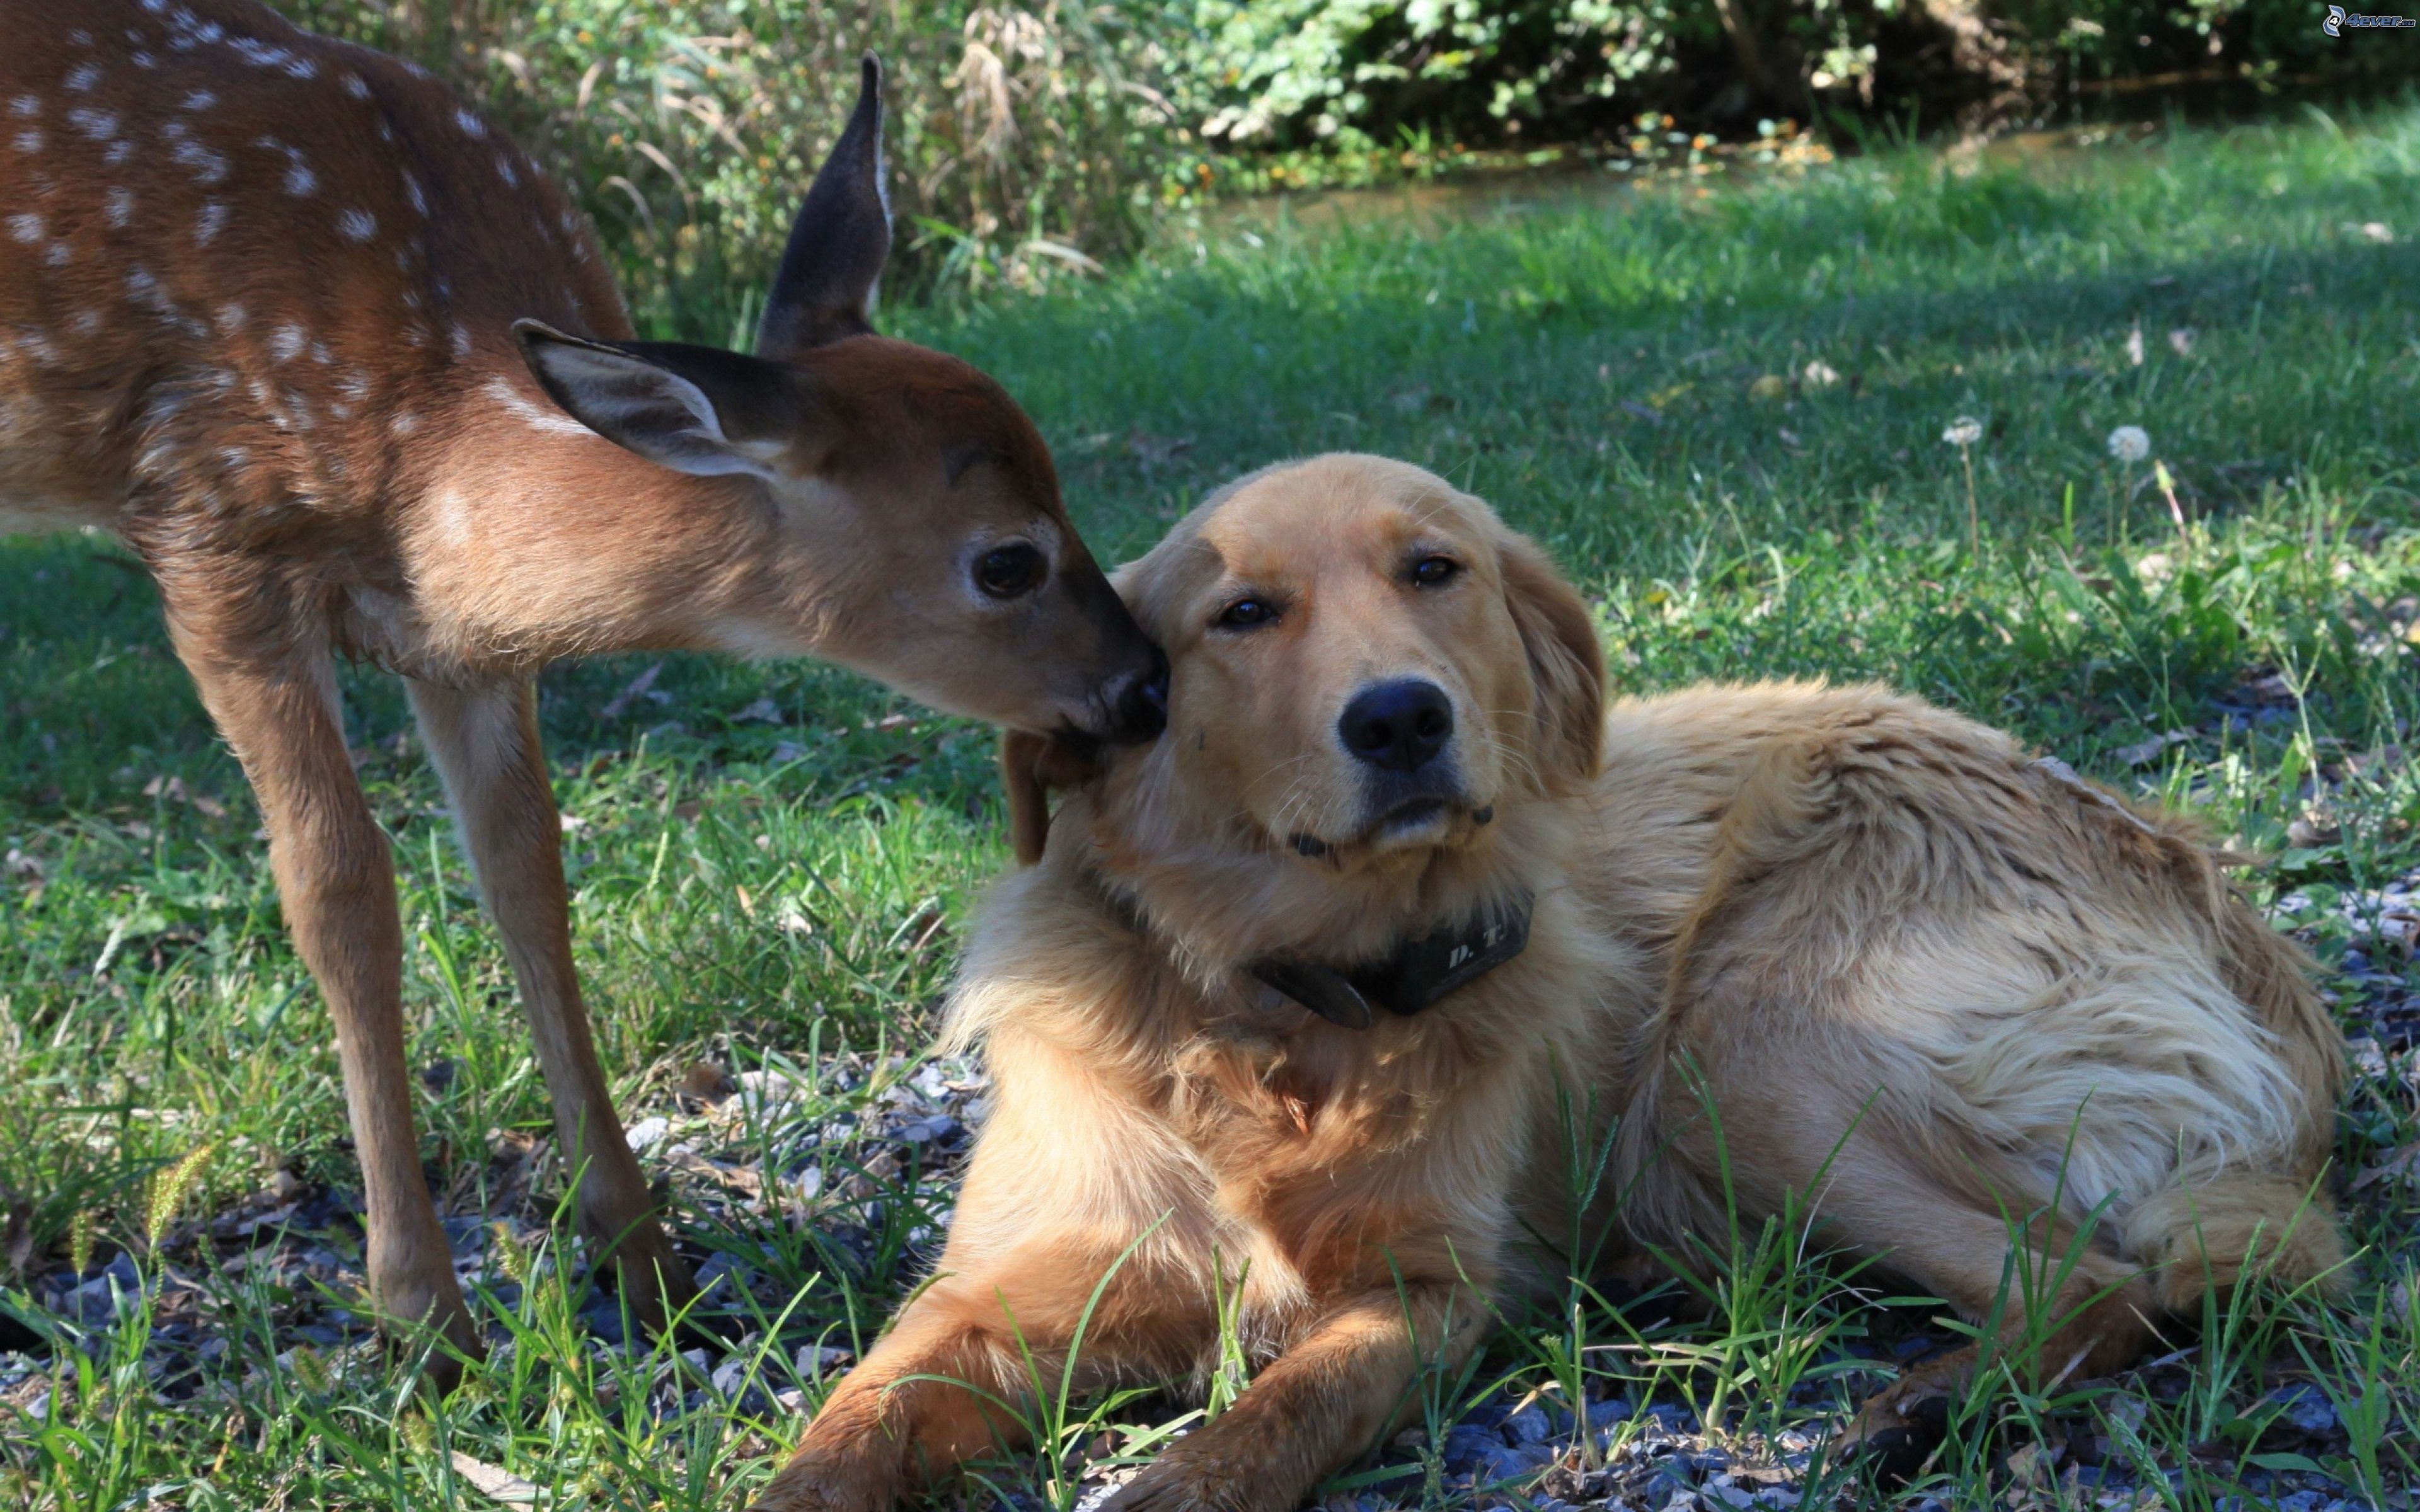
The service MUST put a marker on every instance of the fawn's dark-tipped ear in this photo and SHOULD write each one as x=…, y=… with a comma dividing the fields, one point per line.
x=824, y=288
x=699, y=410
x=1566, y=662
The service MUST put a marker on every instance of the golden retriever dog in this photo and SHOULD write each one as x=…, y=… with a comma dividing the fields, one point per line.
x=1294, y=1004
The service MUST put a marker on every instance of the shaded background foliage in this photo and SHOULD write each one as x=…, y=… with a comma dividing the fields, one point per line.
x=1029, y=139
x=1015, y=133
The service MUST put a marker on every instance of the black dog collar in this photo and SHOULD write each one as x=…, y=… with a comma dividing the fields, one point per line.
x=1420, y=972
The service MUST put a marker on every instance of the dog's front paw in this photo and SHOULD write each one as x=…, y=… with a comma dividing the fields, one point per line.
x=1897, y=1428
x=804, y=1486
x=1174, y=1484
x=1163, y=1489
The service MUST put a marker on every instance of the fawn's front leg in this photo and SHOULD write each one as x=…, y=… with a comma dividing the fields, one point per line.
x=1316, y=1408
x=887, y=1429
x=484, y=740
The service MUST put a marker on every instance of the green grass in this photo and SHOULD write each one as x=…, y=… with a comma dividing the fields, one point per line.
x=1626, y=374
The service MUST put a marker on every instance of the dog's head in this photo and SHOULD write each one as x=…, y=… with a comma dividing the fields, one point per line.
x=1365, y=665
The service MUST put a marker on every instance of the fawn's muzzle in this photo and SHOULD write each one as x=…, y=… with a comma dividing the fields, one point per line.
x=1138, y=704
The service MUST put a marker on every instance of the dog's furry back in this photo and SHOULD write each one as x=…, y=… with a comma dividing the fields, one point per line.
x=1996, y=970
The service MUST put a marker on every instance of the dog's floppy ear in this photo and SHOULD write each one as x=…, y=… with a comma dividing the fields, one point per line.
x=1029, y=766
x=1566, y=663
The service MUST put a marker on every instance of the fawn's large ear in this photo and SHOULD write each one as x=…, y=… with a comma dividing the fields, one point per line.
x=699, y=410
x=824, y=288
x=1566, y=663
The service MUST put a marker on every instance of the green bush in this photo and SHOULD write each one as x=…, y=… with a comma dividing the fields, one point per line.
x=1017, y=136
x=1294, y=71
x=1028, y=140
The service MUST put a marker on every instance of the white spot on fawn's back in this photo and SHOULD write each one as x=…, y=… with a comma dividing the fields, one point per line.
x=299, y=182
x=120, y=204
x=230, y=317
x=404, y=422
x=26, y=106
x=86, y=323
x=472, y=125
x=199, y=100
x=28, y=141
x=258, y=53
x=82, y=77
x=357, y=225
x=213, y=216
x=356, y=87
x=208, y=167
x=100, y=125
x=287, y=343
x=26, y=228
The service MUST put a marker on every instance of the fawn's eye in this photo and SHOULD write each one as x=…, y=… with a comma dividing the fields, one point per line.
x=1430, y=571
x=1010, y=571
x=1244, y=613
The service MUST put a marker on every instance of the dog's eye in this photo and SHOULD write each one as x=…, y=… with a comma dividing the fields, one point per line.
x=1244, y=613
x=1010, y=571
x=1430, y=571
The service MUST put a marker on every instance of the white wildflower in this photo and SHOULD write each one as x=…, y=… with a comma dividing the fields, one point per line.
x=2129, y=443
x=1964, y=431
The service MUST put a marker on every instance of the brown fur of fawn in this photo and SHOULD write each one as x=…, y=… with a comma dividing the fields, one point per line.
x=345, y=368
x=1846, y=920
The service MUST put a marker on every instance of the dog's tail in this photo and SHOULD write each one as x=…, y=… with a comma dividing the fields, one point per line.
x=2213, y=1228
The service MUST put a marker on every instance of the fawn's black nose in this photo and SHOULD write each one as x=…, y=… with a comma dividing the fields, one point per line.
x=1139, y=708
x=1398, y=726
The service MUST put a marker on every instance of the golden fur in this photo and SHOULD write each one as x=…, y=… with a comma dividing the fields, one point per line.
x=1847, y=920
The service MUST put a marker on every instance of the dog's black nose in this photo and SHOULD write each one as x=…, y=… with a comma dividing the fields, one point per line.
x=1400, y=726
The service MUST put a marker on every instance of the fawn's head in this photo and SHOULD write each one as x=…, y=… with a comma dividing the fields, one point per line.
x=919, y=535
